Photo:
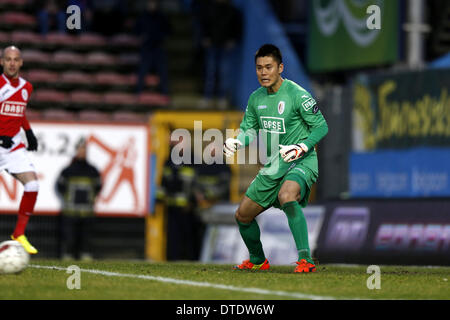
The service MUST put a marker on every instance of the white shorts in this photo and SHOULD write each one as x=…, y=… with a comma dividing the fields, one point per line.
x=16, y=162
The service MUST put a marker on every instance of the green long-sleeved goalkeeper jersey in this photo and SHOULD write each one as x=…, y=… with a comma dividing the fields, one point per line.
x=288, y=116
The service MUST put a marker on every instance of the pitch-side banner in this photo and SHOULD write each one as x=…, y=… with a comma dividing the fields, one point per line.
x=223, y=243
x=412, y=173
x=119, y=152
x=345, y=34
x=401, y=110
x=386, y=232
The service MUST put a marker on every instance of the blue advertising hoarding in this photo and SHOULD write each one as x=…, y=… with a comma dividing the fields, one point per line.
x=418, y=172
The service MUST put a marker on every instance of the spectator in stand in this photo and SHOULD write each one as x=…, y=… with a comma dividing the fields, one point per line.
x=153, y=27
x=51, y=16
x=197, y=10
x=222, y=32
x=108, y=16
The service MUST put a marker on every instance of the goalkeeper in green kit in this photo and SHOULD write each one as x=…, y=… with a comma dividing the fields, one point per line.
x=292, y=125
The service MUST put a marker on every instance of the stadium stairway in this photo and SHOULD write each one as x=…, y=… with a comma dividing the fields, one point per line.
x=185, y=74
x=440, y=20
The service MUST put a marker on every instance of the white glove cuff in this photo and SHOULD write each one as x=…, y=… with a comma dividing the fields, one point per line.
x=304, y=147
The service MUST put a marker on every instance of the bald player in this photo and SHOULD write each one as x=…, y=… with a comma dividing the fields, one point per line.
x=14, y=95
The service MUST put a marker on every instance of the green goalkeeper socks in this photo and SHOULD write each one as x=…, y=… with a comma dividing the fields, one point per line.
x=299, y=229
x=250, y=233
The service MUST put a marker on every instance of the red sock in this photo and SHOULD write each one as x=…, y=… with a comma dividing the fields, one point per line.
x=25, y=210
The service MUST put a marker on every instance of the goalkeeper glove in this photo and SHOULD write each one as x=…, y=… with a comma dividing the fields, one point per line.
x=6, y=142
x=32, y=141
x=293, y=152
x=230, y=147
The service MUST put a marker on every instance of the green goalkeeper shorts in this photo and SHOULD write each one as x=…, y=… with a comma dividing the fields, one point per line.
x=264, y=190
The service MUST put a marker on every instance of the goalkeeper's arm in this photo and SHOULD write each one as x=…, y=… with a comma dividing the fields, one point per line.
x=316, y=135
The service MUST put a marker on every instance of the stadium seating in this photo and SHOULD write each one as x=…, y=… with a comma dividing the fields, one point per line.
x=100, y=58
x=84, y=98
x=75, y=72
x=91, y=41
x=27, y=38
x=152, y=99
x=67, y=57
x=13, y=3
x=11, y=20
x=57, y=114
x=4, y=37
x=112, y=79
x=127, y=116
x=73, y=79
x=93, y=115
x=49, y=97
x=119, y=98
x=33, y=114
x=33, y=57
x=125, y=41
x=41, y=76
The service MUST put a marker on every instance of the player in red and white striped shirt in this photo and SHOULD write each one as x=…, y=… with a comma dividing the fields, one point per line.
x=14, y=94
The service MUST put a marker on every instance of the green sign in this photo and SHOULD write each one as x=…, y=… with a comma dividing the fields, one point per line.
x=347, y=34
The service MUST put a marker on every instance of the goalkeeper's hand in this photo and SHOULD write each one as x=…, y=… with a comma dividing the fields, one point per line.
x=293, y=152
x=230, y=147
x=6, y=142
x=32, y=141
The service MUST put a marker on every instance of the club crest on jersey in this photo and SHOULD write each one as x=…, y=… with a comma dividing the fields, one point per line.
x=13, y=108
x=281, y=107
x=24, y=94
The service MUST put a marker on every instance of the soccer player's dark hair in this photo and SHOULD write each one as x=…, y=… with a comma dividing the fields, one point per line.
x=269, y=50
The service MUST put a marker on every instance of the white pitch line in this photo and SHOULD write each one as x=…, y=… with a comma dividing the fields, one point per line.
x=296, y=295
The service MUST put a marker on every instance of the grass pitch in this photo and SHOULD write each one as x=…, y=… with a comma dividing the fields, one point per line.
x=131, y=280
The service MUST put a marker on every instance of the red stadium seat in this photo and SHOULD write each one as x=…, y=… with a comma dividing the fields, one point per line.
x=60, y=39
x=35, y=56
x=125, y=40
x=151, y=80
x=91, y=40
x=25, y=37
x=5, y=37
x=17, y=3
x=75, y=77
x=85, y=97
x=17, y=19
x=67, y=57
x=129, y=59
x=58, y=114
x=33, y=114
x=119, y=98
x=94, y=115
x=50, y=95
x=38, y=75
x=100, y=58
x=127, y=116
x=112, y=78
x=153, y=99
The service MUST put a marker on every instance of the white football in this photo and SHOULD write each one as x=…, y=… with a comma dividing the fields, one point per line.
x=13, y=257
